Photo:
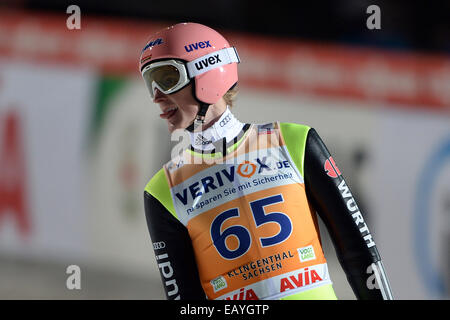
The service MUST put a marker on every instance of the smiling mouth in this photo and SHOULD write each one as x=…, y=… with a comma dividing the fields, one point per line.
x=169, y=113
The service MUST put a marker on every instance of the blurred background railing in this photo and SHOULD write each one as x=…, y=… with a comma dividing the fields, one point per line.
x=80, y=137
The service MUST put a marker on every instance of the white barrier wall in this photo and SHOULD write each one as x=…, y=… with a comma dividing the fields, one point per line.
x=411, y=194
x=44, y=115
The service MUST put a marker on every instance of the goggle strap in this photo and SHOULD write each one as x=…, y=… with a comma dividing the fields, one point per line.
x=211, y=61
x=197, y=123
x=203, y=109
x=199, y=118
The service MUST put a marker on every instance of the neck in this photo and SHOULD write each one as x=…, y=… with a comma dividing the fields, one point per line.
x=226, y=127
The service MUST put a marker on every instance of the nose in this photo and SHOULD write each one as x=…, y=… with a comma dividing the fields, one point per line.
x=158, y=96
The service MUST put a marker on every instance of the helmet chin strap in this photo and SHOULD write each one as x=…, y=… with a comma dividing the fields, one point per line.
x=199, y=118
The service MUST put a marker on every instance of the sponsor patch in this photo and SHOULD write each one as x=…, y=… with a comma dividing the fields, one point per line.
x=146, y=58
x=331, y=168
x=306, y=253
x=218, y=283
x=153, y=43
x=159, y=245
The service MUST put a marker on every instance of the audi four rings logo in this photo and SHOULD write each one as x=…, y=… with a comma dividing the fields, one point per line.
x=225, y=120
x=159, y=245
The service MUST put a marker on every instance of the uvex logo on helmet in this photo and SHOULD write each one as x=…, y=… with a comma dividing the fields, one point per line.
x=197, y=45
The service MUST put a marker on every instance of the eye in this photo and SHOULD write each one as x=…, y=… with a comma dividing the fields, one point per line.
x=169, y=80
x=166, y=76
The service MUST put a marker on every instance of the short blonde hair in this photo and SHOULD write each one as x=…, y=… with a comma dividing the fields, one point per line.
x=230, y=96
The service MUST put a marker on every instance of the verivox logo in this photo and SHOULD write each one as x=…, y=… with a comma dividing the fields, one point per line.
x=207, y=183
x=246, y=169
x=197, y=45
x=221, y=177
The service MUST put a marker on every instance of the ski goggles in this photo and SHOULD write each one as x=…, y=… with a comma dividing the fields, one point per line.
x=172, y=75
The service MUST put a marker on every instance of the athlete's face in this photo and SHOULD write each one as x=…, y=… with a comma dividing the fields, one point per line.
x=178, y=109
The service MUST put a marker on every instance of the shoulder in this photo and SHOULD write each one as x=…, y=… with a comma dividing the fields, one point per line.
x=294, y=133
x=156, y=182
x=293, y=129
x=158, y=188
x=295, y=136
x=286, y=128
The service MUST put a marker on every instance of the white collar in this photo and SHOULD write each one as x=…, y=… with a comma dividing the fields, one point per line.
x=227, y=127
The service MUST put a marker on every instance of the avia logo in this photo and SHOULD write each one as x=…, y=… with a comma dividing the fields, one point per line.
x=153, y=43
x=197, y=45
x=331, y=168
x=243, y=295
x=303, y=278
x=205, y=63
